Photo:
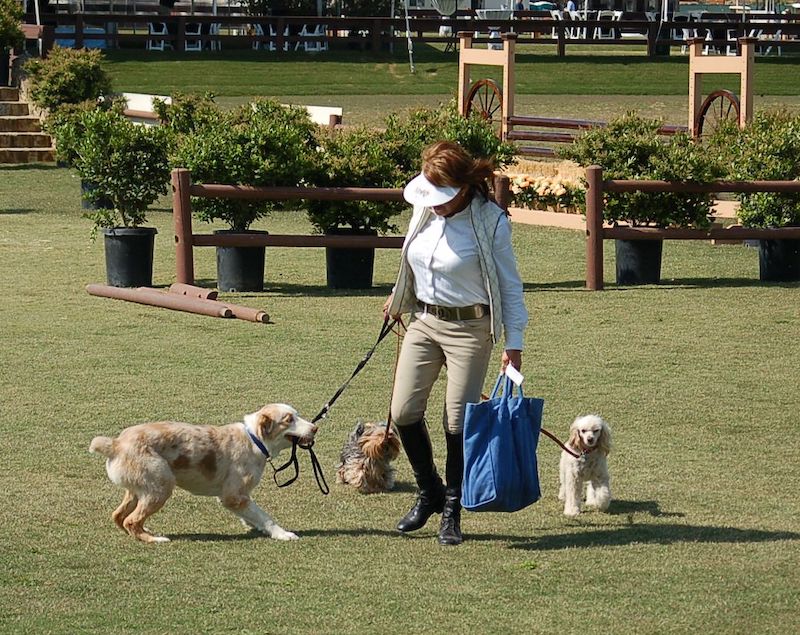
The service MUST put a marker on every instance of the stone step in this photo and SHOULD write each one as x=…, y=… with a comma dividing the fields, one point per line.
x=20, y=124
x=14, y=109
x=25, y=140
x=26, y=155
x=9, y=94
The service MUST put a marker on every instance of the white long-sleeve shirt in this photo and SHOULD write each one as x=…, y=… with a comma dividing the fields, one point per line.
x=444, y=257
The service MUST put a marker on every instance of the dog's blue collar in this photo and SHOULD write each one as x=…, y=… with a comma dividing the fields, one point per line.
x=256, y=441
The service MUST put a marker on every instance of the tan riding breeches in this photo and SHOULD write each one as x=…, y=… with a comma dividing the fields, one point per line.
x=464, y=347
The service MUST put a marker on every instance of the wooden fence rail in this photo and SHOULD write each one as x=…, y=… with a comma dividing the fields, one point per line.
x=376, y=32
x=596, y=232
x=185, y=240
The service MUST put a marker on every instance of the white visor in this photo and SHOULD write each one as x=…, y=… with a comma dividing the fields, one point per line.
x=420, y=191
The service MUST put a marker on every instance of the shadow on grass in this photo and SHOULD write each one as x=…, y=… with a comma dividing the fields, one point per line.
x=674, y=283
x=620, y=507
x=17, y=210
x=257, y=535
x=28, y=167
x=250, y=535
x=651, y=534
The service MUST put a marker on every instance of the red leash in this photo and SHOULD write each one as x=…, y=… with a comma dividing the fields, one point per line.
x=550, y=435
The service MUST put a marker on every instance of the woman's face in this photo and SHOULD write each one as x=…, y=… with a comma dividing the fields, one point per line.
x=454, y=205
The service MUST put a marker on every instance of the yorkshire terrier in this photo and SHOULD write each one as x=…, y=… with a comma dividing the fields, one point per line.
x=366, y=458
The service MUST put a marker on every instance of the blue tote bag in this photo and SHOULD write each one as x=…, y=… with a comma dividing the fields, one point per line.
x=501, y=435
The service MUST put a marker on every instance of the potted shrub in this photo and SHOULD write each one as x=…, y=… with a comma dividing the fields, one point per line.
x=768, y=149
x=65, y=125
x=366, y=158
x=66, y=76
x=262, y=144
x=11, y=35
x=129, y=168
x=355, y=157
x=631, y=148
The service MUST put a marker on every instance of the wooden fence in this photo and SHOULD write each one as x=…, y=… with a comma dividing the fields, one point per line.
x=125, y=30
x=555, y=132
x=596, y=232
x=185, y=240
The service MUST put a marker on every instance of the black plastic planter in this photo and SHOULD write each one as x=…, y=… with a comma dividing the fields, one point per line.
x=240, y=269
x=779, y=260
x=350, y=267
x=129, y=256
x=638, y=261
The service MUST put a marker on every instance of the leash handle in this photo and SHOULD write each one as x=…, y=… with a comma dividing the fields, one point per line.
x=293, y=462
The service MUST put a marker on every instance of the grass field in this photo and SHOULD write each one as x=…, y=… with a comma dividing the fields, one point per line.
x=367, y=87
x=539, y=72
x=698, y=377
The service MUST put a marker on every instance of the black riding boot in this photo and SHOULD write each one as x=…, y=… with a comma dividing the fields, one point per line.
x=450, y=530
x=430, y=499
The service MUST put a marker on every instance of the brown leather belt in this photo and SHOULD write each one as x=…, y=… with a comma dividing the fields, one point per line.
x=449, y=313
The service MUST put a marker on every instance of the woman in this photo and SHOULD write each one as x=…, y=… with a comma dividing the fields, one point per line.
x=458, y=277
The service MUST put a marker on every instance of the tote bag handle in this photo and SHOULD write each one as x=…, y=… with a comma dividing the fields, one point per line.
x=508, y=388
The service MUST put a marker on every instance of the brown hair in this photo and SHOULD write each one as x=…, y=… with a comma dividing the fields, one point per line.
x=447, y=164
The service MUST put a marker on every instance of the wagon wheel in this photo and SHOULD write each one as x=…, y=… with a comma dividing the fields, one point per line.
x=721, y=105
x=486, y=99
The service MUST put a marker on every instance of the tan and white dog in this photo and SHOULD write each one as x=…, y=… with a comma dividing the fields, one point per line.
x=590, y=437
x=227, y=461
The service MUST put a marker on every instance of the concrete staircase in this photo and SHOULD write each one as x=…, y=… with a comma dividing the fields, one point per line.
x=21, y=136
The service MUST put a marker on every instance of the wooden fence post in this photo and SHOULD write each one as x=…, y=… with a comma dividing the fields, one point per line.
x=594, y=228
x=180, y=42
x=78, y=31
x=182, y=218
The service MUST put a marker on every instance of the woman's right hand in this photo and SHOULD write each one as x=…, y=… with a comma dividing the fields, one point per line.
x=386, y=304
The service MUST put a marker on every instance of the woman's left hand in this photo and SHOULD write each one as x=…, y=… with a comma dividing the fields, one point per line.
x=513, y=357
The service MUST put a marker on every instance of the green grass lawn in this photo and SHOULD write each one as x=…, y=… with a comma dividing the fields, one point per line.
x=698, y=377
x=539, y=72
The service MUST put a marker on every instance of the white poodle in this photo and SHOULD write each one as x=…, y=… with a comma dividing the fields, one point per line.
x=590, y=437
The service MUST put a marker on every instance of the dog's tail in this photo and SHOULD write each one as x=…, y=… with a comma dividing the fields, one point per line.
x=104, y=446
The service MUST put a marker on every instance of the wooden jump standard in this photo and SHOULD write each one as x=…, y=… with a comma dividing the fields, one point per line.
x=185, y=240
x=596, y=232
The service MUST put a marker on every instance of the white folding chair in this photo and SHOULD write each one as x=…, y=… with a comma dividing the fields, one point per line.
x=578, y=31
x=604, y=32
x=320, y=31
x=214, y=30
x=683, y=33
x=258, y=32
x=193, y=41
x=558, y=17
x=273, y=34
x=313, y=46
x=157, y=28
x=772, y=39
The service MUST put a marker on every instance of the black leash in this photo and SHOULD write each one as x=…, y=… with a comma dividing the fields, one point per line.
x=385, y=330
x=315, y=464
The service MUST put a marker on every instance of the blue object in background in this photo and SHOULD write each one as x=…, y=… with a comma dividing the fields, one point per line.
x=87, y=30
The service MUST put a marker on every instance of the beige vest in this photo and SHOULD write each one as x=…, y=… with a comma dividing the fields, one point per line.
x=484, y=217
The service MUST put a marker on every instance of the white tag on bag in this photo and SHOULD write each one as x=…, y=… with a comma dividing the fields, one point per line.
x=514, y=375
